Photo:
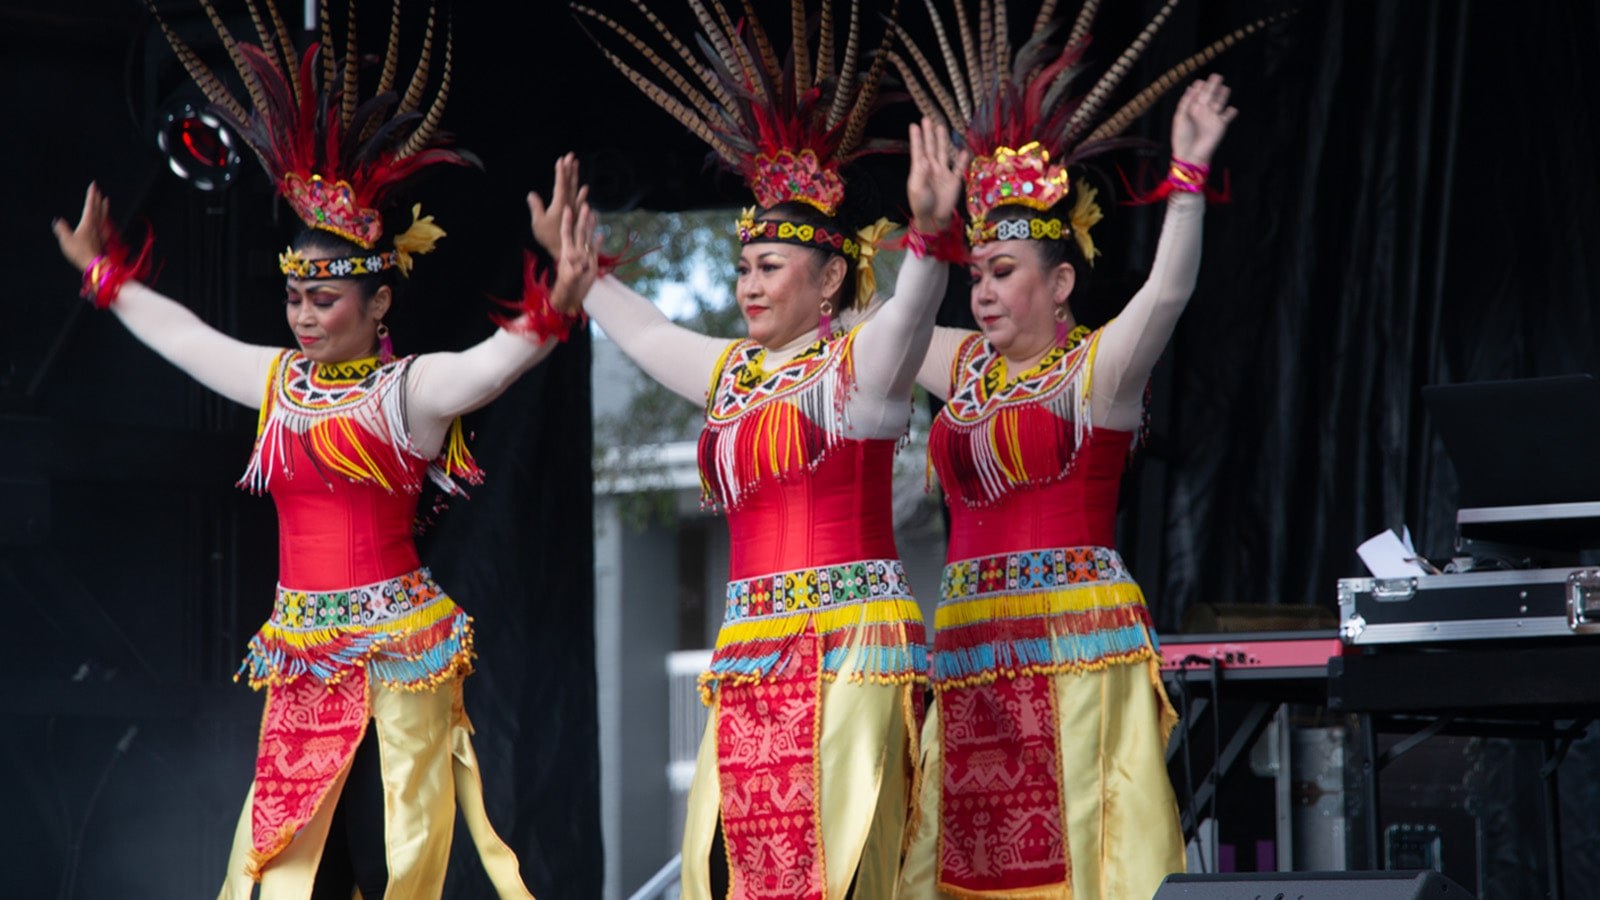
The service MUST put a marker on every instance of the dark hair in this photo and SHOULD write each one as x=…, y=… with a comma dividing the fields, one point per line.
x=315, y=243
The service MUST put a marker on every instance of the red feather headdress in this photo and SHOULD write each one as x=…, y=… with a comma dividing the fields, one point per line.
x=334, y=157
x=786, y=127
x=1016, y=111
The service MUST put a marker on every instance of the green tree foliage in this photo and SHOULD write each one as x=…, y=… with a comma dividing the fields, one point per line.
x=694, y=252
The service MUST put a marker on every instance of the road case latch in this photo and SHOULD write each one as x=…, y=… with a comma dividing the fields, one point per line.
x=1583, y=601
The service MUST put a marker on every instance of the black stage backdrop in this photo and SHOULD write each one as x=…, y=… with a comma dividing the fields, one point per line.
x=1413, y=202
x=136, y=571
x=1413, y=205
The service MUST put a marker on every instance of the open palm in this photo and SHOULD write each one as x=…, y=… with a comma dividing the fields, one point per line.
x=935, y=183
x=1201, y=120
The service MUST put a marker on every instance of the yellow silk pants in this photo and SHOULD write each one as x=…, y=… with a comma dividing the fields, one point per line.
x=1123, y=833
x=865, y=769
x=425, y=752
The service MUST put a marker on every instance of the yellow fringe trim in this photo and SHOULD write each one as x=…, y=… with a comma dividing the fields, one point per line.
x=1069, y=599
x=716, y=371
x=325, y=449
x=1087, y=365
x=456, y=458
x=270, y=394
x=459, y=666
x=428, y=615
x=828, y=619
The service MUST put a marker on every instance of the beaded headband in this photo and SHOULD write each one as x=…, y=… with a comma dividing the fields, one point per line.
x=1085, y=214
x=752, y=231
x=419, y=238
x=295, y=265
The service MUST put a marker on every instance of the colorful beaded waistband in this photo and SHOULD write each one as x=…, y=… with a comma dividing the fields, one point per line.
x=405, y=631
x=811, y=590
x=1038, y=612
x=859, y=610
x=362, y=607
x=1029, y=571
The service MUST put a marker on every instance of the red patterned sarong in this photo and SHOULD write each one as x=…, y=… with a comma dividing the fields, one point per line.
x=1003, y=826
x=309, y=734
x=767, y=734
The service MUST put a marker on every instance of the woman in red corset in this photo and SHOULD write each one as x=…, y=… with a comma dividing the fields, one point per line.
x=364, y=747
x=1043, y=757
x=805, y=761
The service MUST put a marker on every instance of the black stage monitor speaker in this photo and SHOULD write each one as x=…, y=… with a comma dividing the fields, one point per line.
x=1524, y=442
x=1312, y=886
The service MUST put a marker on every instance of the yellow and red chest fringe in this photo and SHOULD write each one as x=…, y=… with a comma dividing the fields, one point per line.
x=762, y=424
x=996, y=434
x=1007, y=625
x=350, y=419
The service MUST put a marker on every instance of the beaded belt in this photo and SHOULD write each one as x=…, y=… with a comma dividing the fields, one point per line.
x=405, y=631
x=1070, y=609
x=1029, y=571
x=815, y=589
x=366, y=606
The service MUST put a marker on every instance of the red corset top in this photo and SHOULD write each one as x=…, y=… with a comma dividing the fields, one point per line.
x=334, y=533
x=1076, y=510
x=838, y=512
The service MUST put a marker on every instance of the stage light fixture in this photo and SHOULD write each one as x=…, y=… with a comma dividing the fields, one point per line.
x=198, y=147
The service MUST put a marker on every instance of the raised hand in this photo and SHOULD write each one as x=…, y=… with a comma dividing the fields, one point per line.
x=577, y=259
x=565, y=193
x=81, y=244
x=1202, y=119
x=935, y=183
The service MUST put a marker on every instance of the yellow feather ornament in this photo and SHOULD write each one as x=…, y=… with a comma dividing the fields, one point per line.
x=866, y=279
x=417, y=239
x=1085, y=214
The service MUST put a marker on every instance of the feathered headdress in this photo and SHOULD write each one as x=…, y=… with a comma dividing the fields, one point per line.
x=786, y=127
x=334, y=157
x=1016, y=111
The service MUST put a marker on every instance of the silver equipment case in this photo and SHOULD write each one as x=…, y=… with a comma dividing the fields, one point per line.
x=1516, y=603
